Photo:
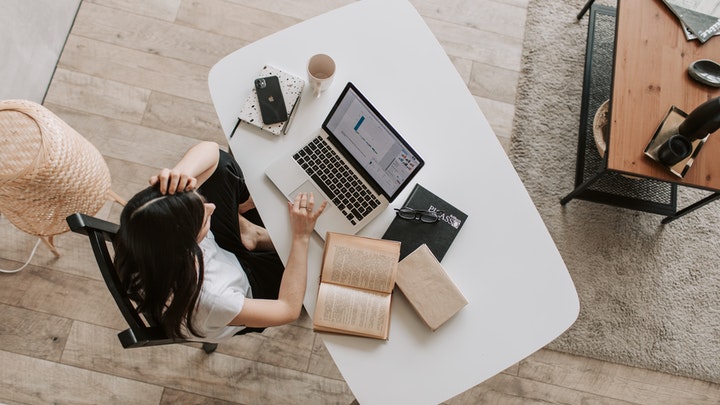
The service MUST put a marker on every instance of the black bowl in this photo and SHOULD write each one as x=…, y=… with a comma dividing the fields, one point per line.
x=706, y=72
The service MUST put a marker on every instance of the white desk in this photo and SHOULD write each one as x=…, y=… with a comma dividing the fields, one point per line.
x=504, y=261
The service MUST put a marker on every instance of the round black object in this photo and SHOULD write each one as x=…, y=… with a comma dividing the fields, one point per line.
x=674, y=150
x=706, y=72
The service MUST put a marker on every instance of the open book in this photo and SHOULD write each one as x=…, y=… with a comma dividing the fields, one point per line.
x=356, y=284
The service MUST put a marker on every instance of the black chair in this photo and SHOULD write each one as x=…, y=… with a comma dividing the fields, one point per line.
x=143, y=331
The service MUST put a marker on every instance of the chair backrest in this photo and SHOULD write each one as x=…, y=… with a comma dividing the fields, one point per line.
x=141, y=332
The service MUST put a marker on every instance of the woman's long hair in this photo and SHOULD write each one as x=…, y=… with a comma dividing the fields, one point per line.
x=158, y=258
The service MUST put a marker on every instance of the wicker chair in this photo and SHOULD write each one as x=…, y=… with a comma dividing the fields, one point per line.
x=47, y=171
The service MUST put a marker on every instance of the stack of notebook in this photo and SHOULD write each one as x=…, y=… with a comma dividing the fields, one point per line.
x=292, y=87
x=699, y=18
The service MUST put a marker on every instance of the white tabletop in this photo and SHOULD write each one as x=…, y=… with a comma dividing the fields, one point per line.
x=504, y=261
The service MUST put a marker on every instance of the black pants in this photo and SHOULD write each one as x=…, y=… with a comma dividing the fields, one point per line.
x=226, y=189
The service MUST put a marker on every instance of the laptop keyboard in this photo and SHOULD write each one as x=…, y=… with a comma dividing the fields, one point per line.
x=337, y=180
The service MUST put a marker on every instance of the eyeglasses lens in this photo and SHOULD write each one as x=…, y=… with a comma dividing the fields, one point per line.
x=428, y=217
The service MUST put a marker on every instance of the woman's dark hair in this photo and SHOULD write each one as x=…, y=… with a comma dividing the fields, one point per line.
x=158, y=258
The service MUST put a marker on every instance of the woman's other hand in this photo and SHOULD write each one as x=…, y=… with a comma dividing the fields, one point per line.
x=303, y=214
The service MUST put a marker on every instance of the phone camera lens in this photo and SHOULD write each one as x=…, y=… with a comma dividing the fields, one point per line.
x=260, y=83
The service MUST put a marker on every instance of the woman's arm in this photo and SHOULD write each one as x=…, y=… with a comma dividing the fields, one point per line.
x=196, y=166
x=263, y=313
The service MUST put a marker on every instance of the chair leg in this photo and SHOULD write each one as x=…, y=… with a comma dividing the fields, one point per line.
x=113, y=196
x=48, y=240
x=209, y=347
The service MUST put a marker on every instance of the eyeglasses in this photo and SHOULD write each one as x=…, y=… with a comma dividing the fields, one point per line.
x=428, y=217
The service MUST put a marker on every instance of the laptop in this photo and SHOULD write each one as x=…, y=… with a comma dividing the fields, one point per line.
x=359, y=163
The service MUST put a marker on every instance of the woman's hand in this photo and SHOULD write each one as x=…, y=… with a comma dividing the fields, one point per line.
x=288, y=306
x=302, y=214
x=171, y=181
x=196, y=166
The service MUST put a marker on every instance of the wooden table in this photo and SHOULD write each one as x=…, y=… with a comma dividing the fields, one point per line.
x=651, y=61
x=649, y=76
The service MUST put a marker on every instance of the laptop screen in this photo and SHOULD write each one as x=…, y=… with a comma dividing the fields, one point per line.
x=377, y=149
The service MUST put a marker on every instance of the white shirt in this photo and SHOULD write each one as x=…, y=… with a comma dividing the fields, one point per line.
x=222, y=294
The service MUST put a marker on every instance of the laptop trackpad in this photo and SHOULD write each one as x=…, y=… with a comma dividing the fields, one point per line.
x=307, y=187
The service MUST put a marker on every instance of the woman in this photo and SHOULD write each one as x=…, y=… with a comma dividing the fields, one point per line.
x=208, y=279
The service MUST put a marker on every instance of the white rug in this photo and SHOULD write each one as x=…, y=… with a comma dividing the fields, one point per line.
x=649, y=294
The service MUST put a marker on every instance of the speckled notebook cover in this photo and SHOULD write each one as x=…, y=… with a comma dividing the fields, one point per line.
x=292, y=87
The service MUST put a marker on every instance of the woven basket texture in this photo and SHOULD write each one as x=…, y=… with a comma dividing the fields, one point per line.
x=47, y=170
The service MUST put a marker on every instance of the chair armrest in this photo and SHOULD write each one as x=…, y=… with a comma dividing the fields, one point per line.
x=80, y=223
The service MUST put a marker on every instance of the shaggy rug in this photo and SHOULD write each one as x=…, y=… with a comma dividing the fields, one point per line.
x=649, y=293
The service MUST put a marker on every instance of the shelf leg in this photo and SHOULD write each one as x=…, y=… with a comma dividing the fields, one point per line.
x=582, y=187
x=690, y=208
x=585, y=8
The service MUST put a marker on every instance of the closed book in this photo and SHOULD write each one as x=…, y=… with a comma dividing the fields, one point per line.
x=428, y=288
x=701, y=18
x=413, y=233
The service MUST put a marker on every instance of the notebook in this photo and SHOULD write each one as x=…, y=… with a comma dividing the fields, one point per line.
x=437, y=236
x=358, y=162
x=292, y=87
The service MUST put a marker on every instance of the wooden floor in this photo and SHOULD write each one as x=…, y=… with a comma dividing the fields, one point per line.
x=133, y=80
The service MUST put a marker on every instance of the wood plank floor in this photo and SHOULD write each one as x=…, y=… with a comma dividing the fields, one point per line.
x=133, y=80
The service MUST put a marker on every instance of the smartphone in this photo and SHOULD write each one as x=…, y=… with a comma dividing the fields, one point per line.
x=271, y=101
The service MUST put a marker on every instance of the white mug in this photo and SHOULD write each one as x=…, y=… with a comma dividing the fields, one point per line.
x=321, y=71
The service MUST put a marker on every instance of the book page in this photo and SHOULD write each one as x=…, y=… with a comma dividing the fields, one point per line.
x=344, y=309
x=366, y=263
